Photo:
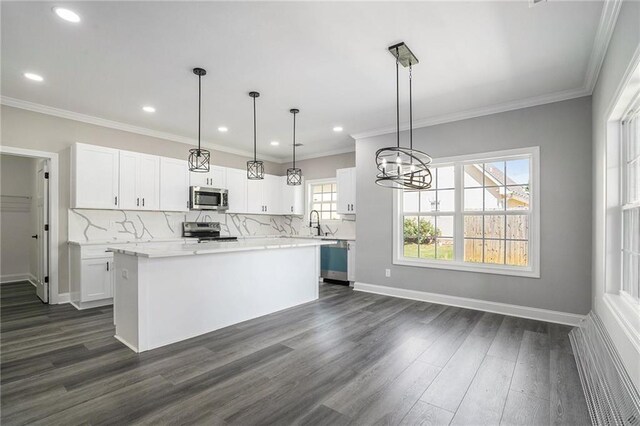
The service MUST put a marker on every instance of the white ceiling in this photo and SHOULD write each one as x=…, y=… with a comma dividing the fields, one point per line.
x=328, y=59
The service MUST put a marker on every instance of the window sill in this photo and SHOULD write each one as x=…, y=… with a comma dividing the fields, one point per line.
x=466, y=267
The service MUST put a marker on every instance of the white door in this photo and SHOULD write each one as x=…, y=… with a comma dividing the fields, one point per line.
x=199, y=179
x=343, y=178
x=254, y=196
x=148, y=181
x=237, y=187
x=218, y=177
x=128, y=192
x=42, y=235
x=94, y=177
x=174, y=184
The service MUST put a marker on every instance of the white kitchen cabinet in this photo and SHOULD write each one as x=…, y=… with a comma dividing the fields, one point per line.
x=237, y=187
x=292, y=200
x=351, y=261
x=94, y=177
x=263, y=196
x=91, y=276
x=216, y=177
x=174, y=184
x=346, y=180
x=139, y=187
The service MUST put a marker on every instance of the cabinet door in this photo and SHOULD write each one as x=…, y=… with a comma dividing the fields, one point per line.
x=199, y=178
x=129, y=199
x=97, y=279
x=148, y=182
x=292, y=201
x=218, y=177
x=174, y=184
x=237, y=187
x=271, y=194
x=94, y=177
x=343, y=178
x=254, y=196
x=352, y=191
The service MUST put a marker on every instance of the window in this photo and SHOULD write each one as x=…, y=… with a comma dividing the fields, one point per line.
x=480, y=214
x=631, y=207
x=324, y=199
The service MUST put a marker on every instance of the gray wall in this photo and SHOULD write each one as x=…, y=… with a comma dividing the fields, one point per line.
x=563, y=132
x=624, y=44
x=323, y=167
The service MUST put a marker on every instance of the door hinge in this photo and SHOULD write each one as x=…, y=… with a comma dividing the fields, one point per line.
x=46, y=227
x=46, y=279
x=46, y=175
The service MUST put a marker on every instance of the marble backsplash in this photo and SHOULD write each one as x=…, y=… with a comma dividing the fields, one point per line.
x=121, y=225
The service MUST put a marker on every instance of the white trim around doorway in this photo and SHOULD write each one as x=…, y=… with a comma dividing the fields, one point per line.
x=54, y=297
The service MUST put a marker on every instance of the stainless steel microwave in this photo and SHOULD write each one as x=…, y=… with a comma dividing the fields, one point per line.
x=202, y=198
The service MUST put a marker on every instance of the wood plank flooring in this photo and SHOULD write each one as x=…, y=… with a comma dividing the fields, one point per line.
x=348, y=358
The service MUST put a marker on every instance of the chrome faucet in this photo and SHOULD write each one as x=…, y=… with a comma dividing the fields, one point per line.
x=317, y=226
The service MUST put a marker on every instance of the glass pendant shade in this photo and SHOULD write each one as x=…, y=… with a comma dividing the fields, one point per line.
x=199, y=159
x=294, y=176
x=255, y=168
x=399, y=167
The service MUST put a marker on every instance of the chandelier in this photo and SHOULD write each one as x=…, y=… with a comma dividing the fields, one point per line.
x=294, y=175
x=255, y=168
x=199, y=158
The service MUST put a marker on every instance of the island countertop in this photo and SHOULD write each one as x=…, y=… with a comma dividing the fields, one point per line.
x=172, y=249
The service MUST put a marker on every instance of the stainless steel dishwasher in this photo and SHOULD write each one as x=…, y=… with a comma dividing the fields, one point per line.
x=333, y=261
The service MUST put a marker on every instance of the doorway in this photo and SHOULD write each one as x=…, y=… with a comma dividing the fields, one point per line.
x=29, y=205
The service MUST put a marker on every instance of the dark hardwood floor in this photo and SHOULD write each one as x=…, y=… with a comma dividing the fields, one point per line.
x=349, y=358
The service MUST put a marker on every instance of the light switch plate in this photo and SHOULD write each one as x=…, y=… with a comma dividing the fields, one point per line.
x=387, y=273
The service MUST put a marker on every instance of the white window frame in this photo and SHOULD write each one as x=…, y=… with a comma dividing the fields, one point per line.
x=309, y=204
x=531, y=271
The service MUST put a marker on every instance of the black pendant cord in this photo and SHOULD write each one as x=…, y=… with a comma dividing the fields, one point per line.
x=410, y=110
x=294, y=140
x=199, y=108
x=397, y=99
x=255, y=146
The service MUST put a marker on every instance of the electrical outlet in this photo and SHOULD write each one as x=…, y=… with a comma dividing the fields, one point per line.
x=387, y=273
x=125, y=274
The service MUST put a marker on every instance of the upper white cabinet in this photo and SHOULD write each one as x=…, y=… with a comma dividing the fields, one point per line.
x=174, y=184
x=216, y=177
x=139, y=181
x=94, y=177
x=346, y=179
x=263, y=196
x=292, y=201
x=237, y=187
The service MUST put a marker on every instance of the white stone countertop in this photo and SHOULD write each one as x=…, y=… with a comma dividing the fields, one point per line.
x=142, y=241
x=173, y=249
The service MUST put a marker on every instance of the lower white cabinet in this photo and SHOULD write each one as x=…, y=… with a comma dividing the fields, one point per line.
x=91, y=276
x=351, y=261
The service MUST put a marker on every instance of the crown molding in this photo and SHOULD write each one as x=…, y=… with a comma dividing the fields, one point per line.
x=606, y=26
x=337, y=151
x=89, y=119
x=479, y=112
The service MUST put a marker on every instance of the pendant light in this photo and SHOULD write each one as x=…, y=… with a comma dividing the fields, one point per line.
x=255, y=168
x=294, y=175
x=399, y=167
x=199, y=158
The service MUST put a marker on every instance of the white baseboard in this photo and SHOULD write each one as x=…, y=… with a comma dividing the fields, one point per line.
x=14, y=278
x=64, y=298
x=477, y=304
x=127, y=344
x=93, y=304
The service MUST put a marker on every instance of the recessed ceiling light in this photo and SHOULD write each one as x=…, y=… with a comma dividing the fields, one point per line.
x=337, y=129
x=148, y=109
x=222, y=129
x=34, y=77
x=67, y=15
x=275, y=143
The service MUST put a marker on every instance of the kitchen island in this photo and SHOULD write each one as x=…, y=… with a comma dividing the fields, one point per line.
x=166, y=293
